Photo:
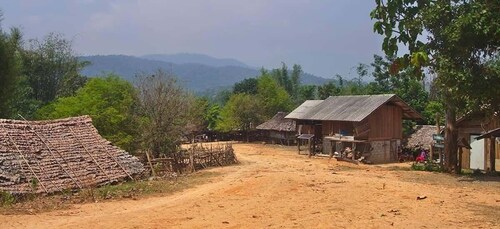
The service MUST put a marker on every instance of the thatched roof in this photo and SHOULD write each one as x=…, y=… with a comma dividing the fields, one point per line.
x=51, y=156
x=422, y=136
x=352, y=108
x=278, y=123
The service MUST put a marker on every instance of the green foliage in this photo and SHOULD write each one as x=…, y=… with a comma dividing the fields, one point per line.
x=239, y=113
x=248, y=86
x=462, y=37
x=272, y=97
x=328, y=89
x=51, y=67
x=6, y=199
x=10, y=70
x=427, y=166
x=434, y=112
x=109, y=101
x=307, y=92
x=212, y=116
x=289, y=82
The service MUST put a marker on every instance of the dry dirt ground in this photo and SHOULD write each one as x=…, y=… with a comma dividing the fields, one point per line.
x=274, y=187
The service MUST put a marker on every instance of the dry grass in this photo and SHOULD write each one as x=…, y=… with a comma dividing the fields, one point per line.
x=32, y=204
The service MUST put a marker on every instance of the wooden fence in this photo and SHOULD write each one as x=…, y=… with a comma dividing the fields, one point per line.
x=194, y=157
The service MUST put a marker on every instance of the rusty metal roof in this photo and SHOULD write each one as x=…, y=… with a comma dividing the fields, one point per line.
x=352, y=108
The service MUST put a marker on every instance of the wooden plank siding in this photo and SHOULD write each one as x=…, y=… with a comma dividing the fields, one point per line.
x=386, y=123
x=477, y=126
x=331, y=128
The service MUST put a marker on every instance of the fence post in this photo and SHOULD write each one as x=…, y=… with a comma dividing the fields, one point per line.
x=191, y=160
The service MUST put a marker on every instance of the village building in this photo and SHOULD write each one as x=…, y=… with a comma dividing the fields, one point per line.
x=422, y=137
x=360, y=126
x=58, y=155
x=479, y=132
x=278, y=129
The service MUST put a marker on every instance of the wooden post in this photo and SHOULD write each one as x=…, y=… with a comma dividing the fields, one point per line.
x=153, y=172
x=309, y=146
x=191, y=160
x=298, y=145
x=459, y=166
x=492, y=153
x=431, y=152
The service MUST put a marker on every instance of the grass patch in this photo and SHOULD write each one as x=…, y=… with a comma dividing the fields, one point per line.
x=431, y=167
x=32, y=204
x=398, y=168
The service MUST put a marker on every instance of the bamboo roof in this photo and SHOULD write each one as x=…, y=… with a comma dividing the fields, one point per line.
x=57, y=155
x=352, y=108
x=278, y=123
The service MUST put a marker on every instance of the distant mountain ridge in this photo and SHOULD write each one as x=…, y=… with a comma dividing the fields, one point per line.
x=194, y=76
x=191, y=58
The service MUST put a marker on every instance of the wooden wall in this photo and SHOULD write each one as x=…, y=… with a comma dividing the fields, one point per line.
x=477, y=125
x=331, y=128
x=305, y=129
x=386, y=123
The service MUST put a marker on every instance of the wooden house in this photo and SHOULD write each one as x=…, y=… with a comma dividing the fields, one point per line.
x=470, y=128
x=279, y=129
x=368, y=124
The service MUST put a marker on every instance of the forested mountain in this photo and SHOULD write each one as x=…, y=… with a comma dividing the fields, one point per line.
x=193, y=58
x=194, y=76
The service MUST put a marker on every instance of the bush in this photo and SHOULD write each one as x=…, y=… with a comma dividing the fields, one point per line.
x=427, y=166
x=6, y=199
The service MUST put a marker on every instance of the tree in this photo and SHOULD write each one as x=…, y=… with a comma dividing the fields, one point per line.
x=328, y=89
x=165, y=110
x=212, y=116
x=248, y=86
x=52, y=68
x=362, y=70
x=462, y=36
x=295, y=83
x=110, y=101
x=272, y=97
x=306, y=92
x=239, y=113
x=10, y=69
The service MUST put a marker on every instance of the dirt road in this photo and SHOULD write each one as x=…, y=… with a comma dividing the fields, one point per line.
x=276, y=188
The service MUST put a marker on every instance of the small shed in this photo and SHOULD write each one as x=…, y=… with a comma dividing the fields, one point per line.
x=279, y=129
x=57, y=155
x=374, y=120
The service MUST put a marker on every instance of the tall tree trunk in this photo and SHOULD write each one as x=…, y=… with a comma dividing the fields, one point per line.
x=451, y=138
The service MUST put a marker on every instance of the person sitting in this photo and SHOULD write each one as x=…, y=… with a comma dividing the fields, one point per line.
x=421, y=157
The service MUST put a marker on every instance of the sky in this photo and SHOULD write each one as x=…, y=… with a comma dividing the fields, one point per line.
x=326, y=37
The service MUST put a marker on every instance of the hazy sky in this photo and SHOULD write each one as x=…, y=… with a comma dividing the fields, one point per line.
x=324, y=36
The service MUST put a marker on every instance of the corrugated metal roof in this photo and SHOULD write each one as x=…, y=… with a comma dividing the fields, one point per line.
x=303, y=108
x=349, y=108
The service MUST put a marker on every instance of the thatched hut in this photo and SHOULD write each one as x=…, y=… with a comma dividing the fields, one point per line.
x=57, y=155
x=422, y=137
x=279, y=129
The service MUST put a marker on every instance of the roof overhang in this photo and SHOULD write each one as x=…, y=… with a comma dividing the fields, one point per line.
x=492, y=133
